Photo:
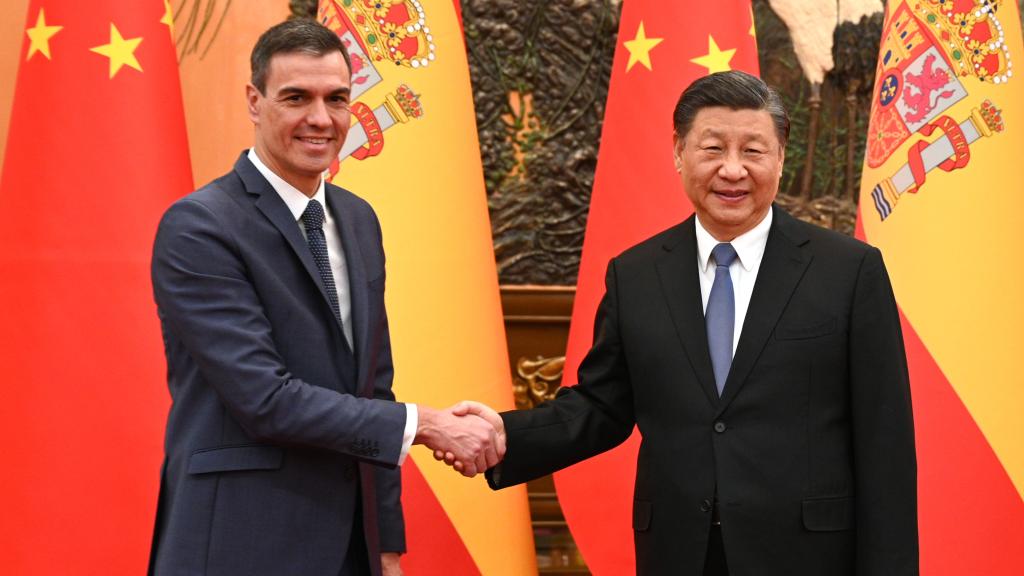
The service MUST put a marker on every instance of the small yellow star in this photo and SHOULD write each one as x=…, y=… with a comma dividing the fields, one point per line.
x=640, y=48
x=121, y=51
x=752, y=32
x=40, y=36
x=716, y=60
x=168, y=17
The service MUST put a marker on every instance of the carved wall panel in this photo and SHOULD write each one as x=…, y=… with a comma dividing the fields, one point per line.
x=540, y=73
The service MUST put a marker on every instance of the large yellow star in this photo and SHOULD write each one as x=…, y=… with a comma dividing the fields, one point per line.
x=40, y=35
x=121, y=51
x=640, y=48
x=168, y=17
x=716, y=60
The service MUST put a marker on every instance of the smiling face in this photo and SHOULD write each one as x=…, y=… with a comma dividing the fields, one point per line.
x=302, y=119
x=730, y=162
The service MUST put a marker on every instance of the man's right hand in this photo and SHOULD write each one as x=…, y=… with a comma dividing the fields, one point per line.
x=471, y=440
x=469, y=408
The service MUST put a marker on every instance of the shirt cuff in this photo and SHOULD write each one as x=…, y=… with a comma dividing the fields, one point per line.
x=412, y=421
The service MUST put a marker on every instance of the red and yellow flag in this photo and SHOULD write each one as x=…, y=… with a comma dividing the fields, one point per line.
x=96, y=150
x=940, y=196
x=662, y=48
x=413, y=153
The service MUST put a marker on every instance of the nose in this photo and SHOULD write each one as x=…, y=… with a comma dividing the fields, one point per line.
x=317, y=114
x=732, y=167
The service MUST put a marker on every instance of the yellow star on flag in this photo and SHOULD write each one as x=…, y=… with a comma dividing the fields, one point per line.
x=752, y=30
x=640, y=48
x=716, y=60
x=40, y=35
x=168, y=17
x=121, y=51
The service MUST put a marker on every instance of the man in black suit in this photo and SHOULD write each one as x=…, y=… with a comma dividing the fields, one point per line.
x=283, y=439
x=762, y=360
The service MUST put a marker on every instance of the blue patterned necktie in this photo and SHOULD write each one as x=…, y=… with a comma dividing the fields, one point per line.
x=720, y=316
x=313, y=219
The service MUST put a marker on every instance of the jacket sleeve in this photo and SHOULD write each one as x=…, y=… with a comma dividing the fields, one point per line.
x=584, y=420
x=885, y=463
x=207, y=300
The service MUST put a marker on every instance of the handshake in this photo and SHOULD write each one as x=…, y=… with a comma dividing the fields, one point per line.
x=469, y=436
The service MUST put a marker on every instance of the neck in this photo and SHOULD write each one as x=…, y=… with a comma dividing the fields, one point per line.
x=721, y=234
x=306, y=187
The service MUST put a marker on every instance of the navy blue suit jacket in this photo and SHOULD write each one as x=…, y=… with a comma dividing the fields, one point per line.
x=280, y=438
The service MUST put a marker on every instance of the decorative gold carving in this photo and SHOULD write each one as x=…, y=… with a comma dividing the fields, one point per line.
x=536, y=381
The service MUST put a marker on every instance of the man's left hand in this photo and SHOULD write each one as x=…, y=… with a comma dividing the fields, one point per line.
x=390, y=564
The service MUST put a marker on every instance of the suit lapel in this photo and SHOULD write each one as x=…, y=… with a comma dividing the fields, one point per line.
x=782, y=267
x=357, y=279
x=273, y=207
x=677, y=271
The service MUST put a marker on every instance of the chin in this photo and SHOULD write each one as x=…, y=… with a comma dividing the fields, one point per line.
x=317, y=164
x=733, y=215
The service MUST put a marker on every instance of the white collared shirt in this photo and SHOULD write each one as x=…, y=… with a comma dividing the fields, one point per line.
x=297, y=202
x=749, y=248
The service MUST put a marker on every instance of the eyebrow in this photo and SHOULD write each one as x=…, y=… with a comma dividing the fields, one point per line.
x=287, y=90
x=712, y=133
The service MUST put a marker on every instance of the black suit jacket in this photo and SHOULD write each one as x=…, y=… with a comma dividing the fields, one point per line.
x=810, y=449
x=280, y=438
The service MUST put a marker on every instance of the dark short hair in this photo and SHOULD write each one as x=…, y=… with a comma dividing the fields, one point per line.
x=298, y=35
x=733, y=89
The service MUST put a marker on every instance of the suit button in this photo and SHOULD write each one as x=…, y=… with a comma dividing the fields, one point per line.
x=705, y=506
x=719, y=427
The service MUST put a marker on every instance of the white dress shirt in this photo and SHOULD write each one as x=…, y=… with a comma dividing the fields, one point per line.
x=749, y=248
x=297, y=202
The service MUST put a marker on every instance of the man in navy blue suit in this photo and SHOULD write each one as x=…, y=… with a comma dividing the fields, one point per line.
x=284, y=437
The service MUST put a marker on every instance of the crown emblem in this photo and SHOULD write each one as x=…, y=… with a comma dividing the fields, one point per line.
x=388, y=30
x=988, y=119
x=970, y=34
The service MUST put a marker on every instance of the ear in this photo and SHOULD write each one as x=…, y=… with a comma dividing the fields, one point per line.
x=677, y=150
x=254, y=100
x=782, y=160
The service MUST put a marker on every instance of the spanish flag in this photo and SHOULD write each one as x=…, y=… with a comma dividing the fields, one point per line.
x=412, y=152
x=662, y=47
x=941, y=198
x=96, y=151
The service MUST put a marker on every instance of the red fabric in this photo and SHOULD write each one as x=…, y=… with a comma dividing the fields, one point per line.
x=91, y=163
x=445, y=547
x=637, y=193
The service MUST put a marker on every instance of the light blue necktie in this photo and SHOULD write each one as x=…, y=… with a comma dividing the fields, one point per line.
x=720, y=316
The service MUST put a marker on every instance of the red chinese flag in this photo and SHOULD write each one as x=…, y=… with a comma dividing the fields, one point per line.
x=662, y=48
x=96, y=150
